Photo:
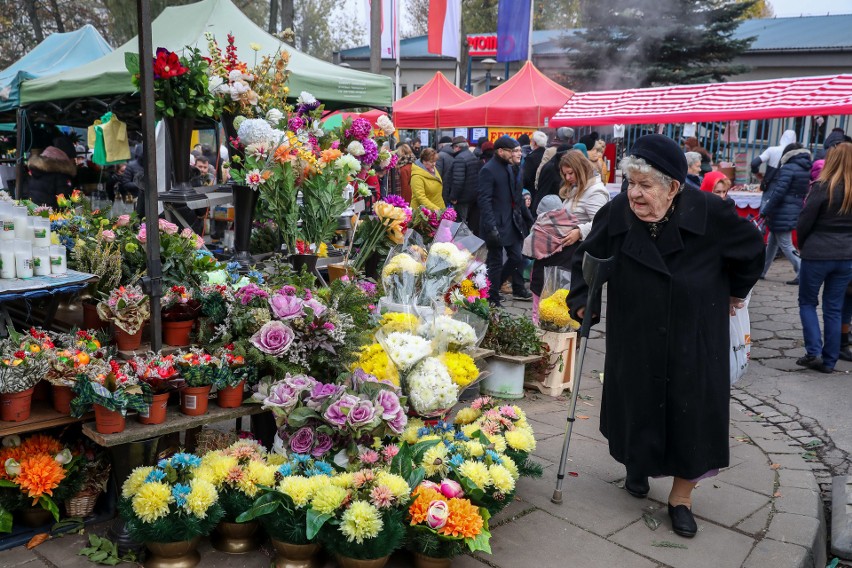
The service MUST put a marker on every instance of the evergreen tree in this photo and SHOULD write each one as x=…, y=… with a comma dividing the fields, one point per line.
x=647, y=43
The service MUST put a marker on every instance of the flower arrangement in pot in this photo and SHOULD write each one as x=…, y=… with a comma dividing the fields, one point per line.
x=180, y=309
x=162, y=377
x=128, y=308
x=65, y=363
x=22, y=365
x=232, y=377
x=200, y=371
x=238, y=472
x=98, y=255
x=94, y=468
x=517, y=342
x=111, y=389
x=169, y=508
x=36, y=474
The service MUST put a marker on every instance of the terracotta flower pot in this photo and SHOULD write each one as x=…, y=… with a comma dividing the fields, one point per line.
x=423, y=561
x=346, y=562
x=193, y=400
x=156, y=413
x=108, y=421
x=15, y=407
x=91, y=319
x=235, y=538
x=181, y=554
x=127, y=342
x=176, y=333
x=231, y=397
x=62, y=397
x=41, y=390
x=34, y=517
x=295, y=555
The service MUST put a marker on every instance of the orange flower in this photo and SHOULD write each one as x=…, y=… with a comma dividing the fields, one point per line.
x=330, y=155
x=40, y=474
x=464, y=520
x=282, y=154
x=266, y=174
x=420, y=507
x=16, y=453
x=41, y=444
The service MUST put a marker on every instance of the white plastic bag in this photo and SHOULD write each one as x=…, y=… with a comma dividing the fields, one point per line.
x=740, y=341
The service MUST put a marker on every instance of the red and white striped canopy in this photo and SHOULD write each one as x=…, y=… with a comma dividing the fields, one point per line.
x=778, y=98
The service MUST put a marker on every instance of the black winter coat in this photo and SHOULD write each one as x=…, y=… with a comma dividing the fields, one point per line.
x=444, y=165
x=823, y=232
x=549, y=180
x=465, y=177
x=501, y=203
x=49, y=178
x=666, y=394
x=785, y=196
x=531, y=164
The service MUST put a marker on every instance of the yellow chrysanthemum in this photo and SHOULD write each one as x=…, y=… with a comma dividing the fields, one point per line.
x=361, y=521
x=135, y=481
x=522, y=423
x=520, y=439
x=396, y=484
x=202, y=496
x=554, y=310
x=461, y=367
x=468, y=289
x=300, y=489
x=402, y=263
x=409, y=435
x=374, y=360
x=261, y=473
x=501, y=478
x=215, y=467
x=328, y=499
x=152, y=500
x=470, y=429
x=343, y=480
x=473, y=449
x=498, y=441
x=511, y=466
x=520, y=412
x=435, y=460
x=477, y=472
x=467, y=416
x=276, y=460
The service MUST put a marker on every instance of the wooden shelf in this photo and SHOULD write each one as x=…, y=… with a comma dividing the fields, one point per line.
x=42, y=417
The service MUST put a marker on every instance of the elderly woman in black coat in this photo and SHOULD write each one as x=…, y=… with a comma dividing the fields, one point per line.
x=684, y=261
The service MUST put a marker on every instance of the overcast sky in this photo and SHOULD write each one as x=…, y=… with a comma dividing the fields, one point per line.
x=811, y=7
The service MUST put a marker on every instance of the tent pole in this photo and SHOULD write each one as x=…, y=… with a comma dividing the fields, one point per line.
x=19, y=153
x=153, y=282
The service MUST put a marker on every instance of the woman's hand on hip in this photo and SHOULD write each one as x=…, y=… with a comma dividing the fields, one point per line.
x=736, y=304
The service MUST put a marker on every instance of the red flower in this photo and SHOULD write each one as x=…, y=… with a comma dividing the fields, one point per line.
x=20, y=355
x=167, y=64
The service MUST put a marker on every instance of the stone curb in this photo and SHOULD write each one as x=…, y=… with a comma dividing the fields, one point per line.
x=797, y=532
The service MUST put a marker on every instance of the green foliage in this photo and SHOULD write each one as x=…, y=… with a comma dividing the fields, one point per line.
x=103, y=259
x=102, y=550
x=422, y=540
x=322, y=204
x=171, y=528
x=234, y=503
x=526, y=467
x=279, y=517
x=265, y=239
x=513, y=335
x=390, y=538
x=648, y=43
x=182, y=96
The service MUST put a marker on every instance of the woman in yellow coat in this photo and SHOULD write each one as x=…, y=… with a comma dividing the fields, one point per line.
x=426, y=185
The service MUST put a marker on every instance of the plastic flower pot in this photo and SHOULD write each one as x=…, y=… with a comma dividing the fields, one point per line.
x=231, y=397
x=507, y=376
x=347, y=562
x=127, y=342
x=176, y=333
x=295, y=555
x=91, y=319
x=156, y=412
x=235, y=538
x=41, y=391
x=15, y=407
x=423, y=561
x=34, y=517
x=182, y=554
x=62, y=397
x=193, y=400
x=108, y=421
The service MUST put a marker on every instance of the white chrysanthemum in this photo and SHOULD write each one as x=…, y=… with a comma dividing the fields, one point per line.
x=384, y=122
x=274, y=116
x=456, y=334
x=305, y=98
x=356, y=148
x=405, y=349
x=255, y=131
x=430, y=387
x=348, y=163
x=448, y=253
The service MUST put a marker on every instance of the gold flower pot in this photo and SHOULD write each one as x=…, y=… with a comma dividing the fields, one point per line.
x=34, y=517
x=235, y=538
x=346, y=562
x=181, y=554
x=423, y=561
x=295, y=555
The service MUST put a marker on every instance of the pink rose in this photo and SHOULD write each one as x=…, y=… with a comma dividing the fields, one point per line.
x=451, y=489
x=109, y=236
x=199, y=242
x=437, y=515
x=142, y=236
x=187, y=233
x=123, y=220
x=168, y=228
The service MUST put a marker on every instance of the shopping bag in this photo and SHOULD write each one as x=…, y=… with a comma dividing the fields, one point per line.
x=740, y=341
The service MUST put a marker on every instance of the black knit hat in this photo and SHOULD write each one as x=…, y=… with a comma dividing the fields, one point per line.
x=445, y=140
x=505, y=142
x=663, y=154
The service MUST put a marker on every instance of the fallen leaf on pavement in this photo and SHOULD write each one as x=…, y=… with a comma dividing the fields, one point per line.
x=775, y=466
x=37, y=540
x=582, y=417
x=650, y=521
x=667, y=544
x=777, y=494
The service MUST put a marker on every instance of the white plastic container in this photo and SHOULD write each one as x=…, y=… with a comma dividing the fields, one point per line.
x=23, y=258
x=41, y=261
x=41, y=232
x=7, y=219
x=58, y=261
x=20, y=214
x=506, y=379
x=7, y=261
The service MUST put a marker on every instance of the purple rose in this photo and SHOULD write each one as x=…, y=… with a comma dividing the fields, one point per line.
x=322, y=393
x=274, y=338
x=281, y=395
x=315, y=307
x=397, y=423
x=322, y=446
x=388, y=402
x=337, y=412
x=300, y=382
x=286, y=307
x=361, y=414
x=302, y=441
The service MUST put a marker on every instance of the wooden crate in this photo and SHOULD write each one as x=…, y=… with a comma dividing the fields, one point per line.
x=561, y=377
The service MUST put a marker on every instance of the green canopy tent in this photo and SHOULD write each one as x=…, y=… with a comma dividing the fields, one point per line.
x=179, y=26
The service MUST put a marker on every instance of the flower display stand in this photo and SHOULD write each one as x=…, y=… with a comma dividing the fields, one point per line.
x=563, y=348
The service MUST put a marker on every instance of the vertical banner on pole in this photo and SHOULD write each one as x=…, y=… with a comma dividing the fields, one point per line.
x=444, y=28
x=513, y=30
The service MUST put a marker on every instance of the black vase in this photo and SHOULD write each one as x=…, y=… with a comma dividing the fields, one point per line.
x=307, y=261
x=245, y=201
x=231, y=134
x=180, y=138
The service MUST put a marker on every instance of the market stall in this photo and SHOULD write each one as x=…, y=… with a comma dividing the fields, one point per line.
x=422, y=108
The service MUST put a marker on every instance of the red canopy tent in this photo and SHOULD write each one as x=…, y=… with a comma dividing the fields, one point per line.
x=747, y=100
x=420, y=109
x=526, y=100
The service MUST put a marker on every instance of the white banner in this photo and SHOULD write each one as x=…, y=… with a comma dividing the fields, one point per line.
x=390, y=26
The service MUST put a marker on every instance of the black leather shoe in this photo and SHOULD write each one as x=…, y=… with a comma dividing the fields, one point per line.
x=637, y=485
x=683, y=523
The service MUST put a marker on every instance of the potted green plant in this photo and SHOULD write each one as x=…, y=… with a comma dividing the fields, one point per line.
x=128, y=308
x=102, y=258
x=517, y=343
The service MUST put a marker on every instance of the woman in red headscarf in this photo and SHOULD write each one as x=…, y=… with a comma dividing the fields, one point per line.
x=716, y=183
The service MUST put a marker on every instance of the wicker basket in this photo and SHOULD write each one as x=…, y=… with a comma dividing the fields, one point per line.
x=82, y=504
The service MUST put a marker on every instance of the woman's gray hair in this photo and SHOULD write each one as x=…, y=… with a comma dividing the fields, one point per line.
x=631, y=164
x=692, y=158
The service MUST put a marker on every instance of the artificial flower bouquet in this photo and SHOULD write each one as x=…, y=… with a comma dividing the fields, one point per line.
x=201, y=369
x=71, y=354
x=169, y=502
x=471, y=294
x=425, y=221
x=384, y=228
x=111, y=385
x=238, y=473
x=402, y=272
x=216, y=302
x=127, y=307
x=331, y=421
x=38, y=471
x=181, y=82
x=554, y=315
x=179, y=304
x=443, y=524
x=159, y=372
x=451, y=257
x=22, y=360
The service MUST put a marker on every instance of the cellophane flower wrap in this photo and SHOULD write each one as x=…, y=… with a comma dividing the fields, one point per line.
x=127, y=307
x=159, y=372
x=402, y=273
x=382, y=230
x=451, y=256
x=113, y=385
x=37, y=471
x=426, y=221
x=471, y=294
x=23, y=360
x=169, y=502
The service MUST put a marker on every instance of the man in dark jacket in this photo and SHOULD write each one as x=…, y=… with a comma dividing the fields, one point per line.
x=465, y=179
x=51, y=173
x=549, y=179
x=446, y=154
x=504, y=219
x=538, y=143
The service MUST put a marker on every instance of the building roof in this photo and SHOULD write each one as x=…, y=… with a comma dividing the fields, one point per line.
x=806, y=33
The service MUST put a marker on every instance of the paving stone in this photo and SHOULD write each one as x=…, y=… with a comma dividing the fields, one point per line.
x=796, y=478
x=715, y=500
x=757, y=523
x=841, y=520
x=512, y=510
x=799, y=434
x=756, y=430
x=587, y=456
x=63, y=551
x=706, y=550
x=777, y=555
x=542, y=539
x=780, y=419
x=544, y=430
x=795, y=529
x=780, y=447
x=20, y=556
x=800, y=501
x=789, y=461
x=755, y=476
